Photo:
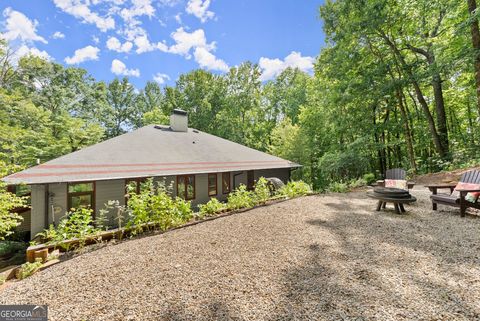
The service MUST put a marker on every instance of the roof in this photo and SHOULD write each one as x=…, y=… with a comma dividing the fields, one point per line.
x=150, y=151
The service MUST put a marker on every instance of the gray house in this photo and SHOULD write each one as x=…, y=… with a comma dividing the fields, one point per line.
x=197, y=165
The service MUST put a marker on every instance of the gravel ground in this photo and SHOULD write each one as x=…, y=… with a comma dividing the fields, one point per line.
x=327, y=257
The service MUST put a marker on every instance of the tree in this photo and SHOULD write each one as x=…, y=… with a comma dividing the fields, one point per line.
x=475, y=31
x=9, y=220
x=117, y=118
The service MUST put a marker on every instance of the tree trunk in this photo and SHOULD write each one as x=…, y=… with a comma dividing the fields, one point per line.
x=408, y=132
x=380, y=151
x=439, y=103
x=421, y=99
x=474, y=29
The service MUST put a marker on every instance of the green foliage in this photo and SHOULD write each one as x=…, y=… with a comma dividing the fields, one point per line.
x=338, y=187
x=294, y=189
x=3, y=279
x=241, y=198
x=262, y=191
x=369, y=178
x=342, y=164
x=9, y=220
x=8, y=247
x=155, y=205
x=27, y=269
x=78, y=223
x=213, y=206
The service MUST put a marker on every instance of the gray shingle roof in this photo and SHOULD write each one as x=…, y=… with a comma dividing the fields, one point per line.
x=150, y=151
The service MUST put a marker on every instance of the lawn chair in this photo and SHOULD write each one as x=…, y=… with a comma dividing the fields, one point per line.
x=464, y=194
x=396, y=174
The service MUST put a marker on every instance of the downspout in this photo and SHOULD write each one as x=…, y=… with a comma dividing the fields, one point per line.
x=47, y=201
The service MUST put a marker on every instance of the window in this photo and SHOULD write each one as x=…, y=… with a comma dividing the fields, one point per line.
x=136, y=185
x=186, y=187
x=212, y=184
x=81, y=195
x=226, y=183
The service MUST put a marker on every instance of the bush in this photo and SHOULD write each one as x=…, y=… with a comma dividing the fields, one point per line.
x=356, y=183
x=155, y=205
x=262, y=190
x=241, y=198
x=9, y=247
x=213, y=206
x=295, y=189
x=28, y=269
x=337, y=187
x=369, y=178
x=78, y=224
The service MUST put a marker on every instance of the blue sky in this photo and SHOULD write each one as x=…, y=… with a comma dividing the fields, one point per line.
x=161, y=39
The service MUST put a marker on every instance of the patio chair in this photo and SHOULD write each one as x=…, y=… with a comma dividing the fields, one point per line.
x=396, y=174
x=464, y=194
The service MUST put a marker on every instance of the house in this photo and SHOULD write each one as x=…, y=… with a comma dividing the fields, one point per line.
x=198, y=166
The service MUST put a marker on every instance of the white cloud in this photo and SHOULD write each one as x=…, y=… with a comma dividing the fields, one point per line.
x=82, y=11
x=178, y=18
x=24, y=50
x=58, y=35
x=95, y=39
x=208, y=60
x=169, y=3
x=273, y=67
x=144, y=45
x=115, y=45
x=185, y=41
x=18, y=26
x=139, y=8
x=119, y=68
x=161, y=78
x=199, y=8
x=83, y=54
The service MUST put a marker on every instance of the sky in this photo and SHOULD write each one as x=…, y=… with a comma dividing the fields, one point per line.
x=158, y=40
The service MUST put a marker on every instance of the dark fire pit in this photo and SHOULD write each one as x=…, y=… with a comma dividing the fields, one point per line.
x=396, y=196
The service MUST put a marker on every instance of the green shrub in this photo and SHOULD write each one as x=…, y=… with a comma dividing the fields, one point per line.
x=262, y=190
x=28, y=269
x=356, y=183
x=8, y=247
x=241, y=198
x=213, y=206
x=369, y=178
x=295, y=189
x=3, y=279
x=337, y=187
x=78, y=224
x=155, y=205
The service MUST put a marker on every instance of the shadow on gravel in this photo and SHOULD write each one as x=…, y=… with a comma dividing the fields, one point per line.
x=352, y=281
x=216, y=311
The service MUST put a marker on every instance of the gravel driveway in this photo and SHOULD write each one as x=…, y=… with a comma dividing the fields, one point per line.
x=328, y=257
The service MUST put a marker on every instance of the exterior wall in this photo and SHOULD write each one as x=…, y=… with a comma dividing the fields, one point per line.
x=240, y=178
x=57, y=202
x=37, y=217
x=115, y=190
x=26, y=223
x=281, y=173
x=105, y=191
